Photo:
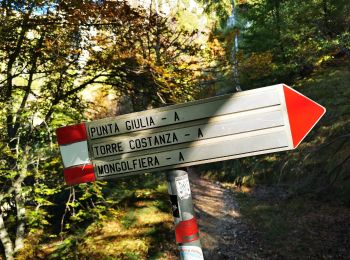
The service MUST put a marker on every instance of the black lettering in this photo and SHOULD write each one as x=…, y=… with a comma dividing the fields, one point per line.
x=132, y=147
x=98, y=130
x=120, y=148
x=104, y=130
x=117, y=166
x=142, y=123
x=181, y=158
x=156, y=162
x=110, y=128
x=92, y=131
x=156, y=141
x=144, y=142
x=175, y=138
x=127, y=166
x=127, y=125
x=200, y=134
x=112, y=167
x=102, y=150
x=151, y=122
x=149, y=141
x=134, y=163
x=168, y=139
x=121, y=166
x=150, y=161
x=96, y=150
x=176, y=117
x=114, y=148
x=100, y=169
x=108, y=148
x=162, y=139
x=137, y=123
x=116, y=128
x=137, y=143
x=143, y=163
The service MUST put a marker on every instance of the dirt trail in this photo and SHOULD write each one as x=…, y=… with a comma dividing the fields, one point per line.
x=223, y=233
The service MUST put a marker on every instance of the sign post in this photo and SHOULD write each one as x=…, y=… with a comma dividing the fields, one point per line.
x=186, y=229
x=253, y=122
x=259, y=121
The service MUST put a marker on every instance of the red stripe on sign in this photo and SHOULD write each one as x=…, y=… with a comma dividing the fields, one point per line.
x=79, y=174
x=71, y=134
x=185, y=229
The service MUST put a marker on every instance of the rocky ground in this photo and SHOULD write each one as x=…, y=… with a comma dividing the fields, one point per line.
x=224, y=235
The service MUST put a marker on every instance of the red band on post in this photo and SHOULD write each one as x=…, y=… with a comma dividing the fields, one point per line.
x=79, y=174
x=71, y=134
x=186, y=231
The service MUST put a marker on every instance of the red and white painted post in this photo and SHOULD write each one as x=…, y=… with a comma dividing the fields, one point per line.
x=186, y=228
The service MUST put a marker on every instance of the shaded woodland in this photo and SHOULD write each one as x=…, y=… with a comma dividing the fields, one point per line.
x=63, y=62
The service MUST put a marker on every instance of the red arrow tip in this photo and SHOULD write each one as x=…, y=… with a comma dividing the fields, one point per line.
x=303, y=114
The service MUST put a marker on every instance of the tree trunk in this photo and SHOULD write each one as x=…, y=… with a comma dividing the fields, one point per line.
x=19, y=199
x=232, y=23
x=6, y=240
x=278, y=22
x=21, y=211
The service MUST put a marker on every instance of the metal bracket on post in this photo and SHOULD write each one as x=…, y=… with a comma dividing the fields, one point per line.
x=186, y=229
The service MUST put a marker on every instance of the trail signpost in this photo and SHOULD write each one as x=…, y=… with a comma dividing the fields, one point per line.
x=259, y=121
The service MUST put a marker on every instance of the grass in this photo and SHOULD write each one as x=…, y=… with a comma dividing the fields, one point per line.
x=139, y=225
x=297, y=228
x=133, y=232
x=142, y=230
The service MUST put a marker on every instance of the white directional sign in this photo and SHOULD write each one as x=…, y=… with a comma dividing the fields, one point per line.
x=253, y=122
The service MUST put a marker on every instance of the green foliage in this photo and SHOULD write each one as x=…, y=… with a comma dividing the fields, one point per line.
x=299, y=36
x=67, y=249
x=134, y=225
x=319, y=166
x=219, y=9
x=51, y=51
x=304, y=44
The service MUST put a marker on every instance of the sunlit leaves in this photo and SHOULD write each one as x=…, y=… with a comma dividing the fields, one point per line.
x=298, y=34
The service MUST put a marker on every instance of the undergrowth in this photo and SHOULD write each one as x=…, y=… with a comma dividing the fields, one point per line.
x=138, y=224
x=296, y=227
x=320, y=165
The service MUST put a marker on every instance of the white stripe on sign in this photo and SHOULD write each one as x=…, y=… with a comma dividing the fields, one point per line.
x=228, y=147
x=75, y=154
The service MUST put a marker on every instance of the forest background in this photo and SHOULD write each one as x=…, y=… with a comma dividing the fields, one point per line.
x=63, y=62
